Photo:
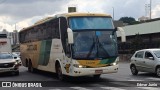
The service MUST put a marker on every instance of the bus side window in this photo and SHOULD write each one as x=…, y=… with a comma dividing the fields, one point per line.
x=64, y=37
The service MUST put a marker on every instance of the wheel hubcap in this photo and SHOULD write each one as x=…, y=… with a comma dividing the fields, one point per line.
x=133, y=69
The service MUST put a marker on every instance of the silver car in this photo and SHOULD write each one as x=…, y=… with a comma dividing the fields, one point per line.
x=8, y=63
x=146, y=60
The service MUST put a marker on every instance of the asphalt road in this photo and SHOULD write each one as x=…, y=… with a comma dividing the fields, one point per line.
x=123, y=80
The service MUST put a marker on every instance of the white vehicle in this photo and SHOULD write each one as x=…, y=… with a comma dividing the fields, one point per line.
x=8, y=63
x=71, y=44
x=5, y=43
x=146, y=60
x=16, y=53
x=17, y=57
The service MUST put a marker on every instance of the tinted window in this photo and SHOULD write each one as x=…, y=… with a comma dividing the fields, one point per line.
x=44, y=31
x=148, y=54
x=139, y=54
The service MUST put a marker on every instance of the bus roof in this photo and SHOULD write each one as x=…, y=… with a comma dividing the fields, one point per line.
x=83, y=14
x=67, y=15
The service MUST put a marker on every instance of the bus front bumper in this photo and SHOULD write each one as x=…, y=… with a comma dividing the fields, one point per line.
x=94, y=71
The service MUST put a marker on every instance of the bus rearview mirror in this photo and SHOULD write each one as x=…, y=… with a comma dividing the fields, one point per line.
x=123, y=36
x=70, y=36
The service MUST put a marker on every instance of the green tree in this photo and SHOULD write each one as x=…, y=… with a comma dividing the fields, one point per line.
x=128, y=20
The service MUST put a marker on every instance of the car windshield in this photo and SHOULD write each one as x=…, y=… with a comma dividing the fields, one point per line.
x=157, y=53
x=15, y=55
x=5, y=56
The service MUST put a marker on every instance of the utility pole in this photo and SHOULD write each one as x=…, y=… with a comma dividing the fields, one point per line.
x=113, y=12
x=150, y=9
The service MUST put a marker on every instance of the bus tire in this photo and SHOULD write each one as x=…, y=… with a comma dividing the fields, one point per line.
x=59, y=72
x=30, y=67
x=26, y=63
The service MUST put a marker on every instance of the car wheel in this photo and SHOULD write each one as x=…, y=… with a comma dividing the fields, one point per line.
x=134, y=70
x=158, y=71
x=97, y=76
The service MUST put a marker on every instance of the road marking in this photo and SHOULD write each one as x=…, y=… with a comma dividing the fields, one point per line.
x=112, y=88
x=154, y=78
x=54, y=89
x=134, y=80
x=80, y=88
x=122, y=83
x=148, y=88
x=107, y=87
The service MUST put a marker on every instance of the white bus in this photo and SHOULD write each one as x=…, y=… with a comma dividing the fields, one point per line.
x=72, y=44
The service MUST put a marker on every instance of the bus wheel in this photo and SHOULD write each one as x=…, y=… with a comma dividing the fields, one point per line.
x=97, y=76
x=30, y=67
x=59, y=72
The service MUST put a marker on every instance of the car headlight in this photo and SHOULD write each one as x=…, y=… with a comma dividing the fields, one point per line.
x=16, y=63
x=79, y=66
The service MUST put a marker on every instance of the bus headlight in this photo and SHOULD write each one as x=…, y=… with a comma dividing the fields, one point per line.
x=115, y=63
x=79, y=66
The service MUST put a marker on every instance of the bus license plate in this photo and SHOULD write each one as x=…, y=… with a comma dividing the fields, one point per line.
x=98, y=71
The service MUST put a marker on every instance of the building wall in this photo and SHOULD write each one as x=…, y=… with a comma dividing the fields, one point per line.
x=12, y=35
x=143, y=28
x=140, y=36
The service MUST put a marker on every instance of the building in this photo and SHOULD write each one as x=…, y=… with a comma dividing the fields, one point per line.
x=12, y=35
x=143, y=18
x=141, y=36
x=15, y=37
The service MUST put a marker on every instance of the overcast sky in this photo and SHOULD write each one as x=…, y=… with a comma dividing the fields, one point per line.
x=24, y=13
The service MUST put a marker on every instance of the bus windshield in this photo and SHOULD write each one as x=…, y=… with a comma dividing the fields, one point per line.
x=77, y=23
x=94, y=44
x=94, y=37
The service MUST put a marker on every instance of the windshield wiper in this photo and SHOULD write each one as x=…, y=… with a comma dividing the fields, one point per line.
x=91, y=49
x=98, y=47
